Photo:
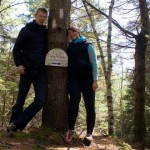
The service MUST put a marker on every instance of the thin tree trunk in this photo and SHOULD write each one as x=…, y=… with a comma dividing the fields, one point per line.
x=3, y=109
x=121, y=96
x=107, y=70
x=5, y=92
x=56, y=107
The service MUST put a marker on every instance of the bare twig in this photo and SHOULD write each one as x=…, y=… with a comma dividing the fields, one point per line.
x=6, y=144
x=28, y=144
x=126, y=32
x=76, y=138
x=9, y=6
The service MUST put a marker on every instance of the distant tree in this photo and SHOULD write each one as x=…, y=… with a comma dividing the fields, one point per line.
x=147, y=90
x=140, y=51
x=107, y=67
x=141, y=42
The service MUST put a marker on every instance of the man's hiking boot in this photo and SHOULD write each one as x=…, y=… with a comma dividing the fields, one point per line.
x=69, y=136
x=11, y=130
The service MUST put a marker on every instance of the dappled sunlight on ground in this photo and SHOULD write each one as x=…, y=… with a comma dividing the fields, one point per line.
x=25, y=142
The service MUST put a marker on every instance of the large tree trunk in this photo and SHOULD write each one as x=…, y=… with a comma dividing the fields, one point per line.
x=56, y=106
x=139, y=118
x=140, y=49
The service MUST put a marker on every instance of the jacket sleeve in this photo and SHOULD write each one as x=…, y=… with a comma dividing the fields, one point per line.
x=17, y=50
x=93, y=60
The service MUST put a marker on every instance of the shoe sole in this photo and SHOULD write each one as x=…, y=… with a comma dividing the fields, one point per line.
x=86, y=142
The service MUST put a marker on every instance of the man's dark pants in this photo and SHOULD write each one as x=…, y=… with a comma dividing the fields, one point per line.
x=20, y=116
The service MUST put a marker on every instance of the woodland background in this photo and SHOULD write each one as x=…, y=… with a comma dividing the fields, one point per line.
x=115, y=29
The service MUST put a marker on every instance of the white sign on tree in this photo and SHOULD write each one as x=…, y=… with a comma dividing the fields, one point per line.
x=56, y=57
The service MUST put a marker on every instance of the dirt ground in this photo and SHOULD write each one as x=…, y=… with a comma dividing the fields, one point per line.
x=28, y=143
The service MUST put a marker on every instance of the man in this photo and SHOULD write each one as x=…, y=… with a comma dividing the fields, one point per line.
x=29, y=54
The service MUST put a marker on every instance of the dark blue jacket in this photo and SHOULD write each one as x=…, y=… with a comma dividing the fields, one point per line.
x=31, y=46
x=79, y=64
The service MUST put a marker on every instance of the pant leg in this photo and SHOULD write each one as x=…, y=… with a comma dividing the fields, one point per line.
x=40, y=87
x=24, y=86
x=89, y=100
x=75, y=97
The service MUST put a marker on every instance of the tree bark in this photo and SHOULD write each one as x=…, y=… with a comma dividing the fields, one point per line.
x=107, y=68
x=140, y=50
x=55, y=110
x=108, y=74
x=139, y=110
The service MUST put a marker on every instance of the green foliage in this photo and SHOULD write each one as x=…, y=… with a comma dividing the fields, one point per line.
x=42, y=135
x=124, y=122
x=8, y=85
x=127, y=115
x=122, y=144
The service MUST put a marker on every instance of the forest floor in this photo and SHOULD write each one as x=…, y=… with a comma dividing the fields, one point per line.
x=46, y=140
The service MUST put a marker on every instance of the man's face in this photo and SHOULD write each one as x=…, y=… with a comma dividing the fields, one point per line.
x=40, y=17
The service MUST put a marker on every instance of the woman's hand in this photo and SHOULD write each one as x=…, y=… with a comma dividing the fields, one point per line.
x=94, y=85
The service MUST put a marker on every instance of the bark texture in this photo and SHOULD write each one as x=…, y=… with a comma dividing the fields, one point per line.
x=56, y=106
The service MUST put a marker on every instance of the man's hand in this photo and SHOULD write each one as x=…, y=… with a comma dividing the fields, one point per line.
x=94, y=85
x=21, y=69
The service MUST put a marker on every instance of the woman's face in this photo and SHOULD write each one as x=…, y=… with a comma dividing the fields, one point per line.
x=73, y=35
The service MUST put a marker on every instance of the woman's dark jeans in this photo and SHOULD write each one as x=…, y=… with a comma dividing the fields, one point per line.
x=38, y=78
x=76, y=87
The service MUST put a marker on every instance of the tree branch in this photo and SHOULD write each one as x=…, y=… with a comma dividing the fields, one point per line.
x=9, y=6
x=126, y=32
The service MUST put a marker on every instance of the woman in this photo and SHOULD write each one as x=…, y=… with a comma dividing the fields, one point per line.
x=82, y=76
